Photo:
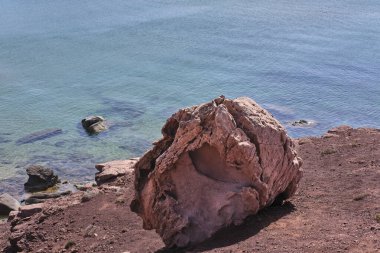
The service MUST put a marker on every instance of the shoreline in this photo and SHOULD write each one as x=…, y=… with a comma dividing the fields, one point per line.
x=338, y=194
x=70, y=167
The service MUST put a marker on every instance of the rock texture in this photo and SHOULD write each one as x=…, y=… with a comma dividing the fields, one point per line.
x=42, y=197
x=302, y=123
x=94, y=124
x=346, y=203
x=99, y=204
x=8, y=204
x=113, y=169
x=216, y=164
x=40, y=178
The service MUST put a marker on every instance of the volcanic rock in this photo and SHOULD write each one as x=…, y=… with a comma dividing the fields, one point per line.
x=8, y=204
x=113, y=169
x=216, y=164
x=94, y=124
x=29, y=210
x=40, y=178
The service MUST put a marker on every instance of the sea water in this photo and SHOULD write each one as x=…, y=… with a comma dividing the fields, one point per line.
x=137, y=62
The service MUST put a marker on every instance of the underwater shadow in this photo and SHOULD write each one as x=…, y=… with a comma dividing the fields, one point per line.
x=234, y=234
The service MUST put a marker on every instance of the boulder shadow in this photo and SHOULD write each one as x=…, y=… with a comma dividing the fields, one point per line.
x=234, y=234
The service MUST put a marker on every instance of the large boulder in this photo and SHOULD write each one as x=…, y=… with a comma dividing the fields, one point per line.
x=40, y=178
x=216, y=164
x=8, y=204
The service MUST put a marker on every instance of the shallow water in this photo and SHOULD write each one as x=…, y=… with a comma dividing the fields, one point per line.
x=136, y=62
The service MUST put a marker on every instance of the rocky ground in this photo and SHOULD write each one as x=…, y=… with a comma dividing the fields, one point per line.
x=336, y=209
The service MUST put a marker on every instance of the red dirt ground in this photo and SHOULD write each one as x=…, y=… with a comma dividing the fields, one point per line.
x=334, y=211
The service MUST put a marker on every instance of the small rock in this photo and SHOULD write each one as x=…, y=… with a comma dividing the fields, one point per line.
x=87, y=196
x=69, y=244
x=41, y=197
x=339, y=130
x=31, y=201
x=304, y=141
x=84, y=187
x=12, y=215
x=361, y=196
x=120, y=200
x=40, y=178
x=29, y=210
x=329, y=135
x=377, y=217
x=114, y=169
x=8, y=204
x=42, y=218
x=302, y=123
x=89, y=231
x=94, y=124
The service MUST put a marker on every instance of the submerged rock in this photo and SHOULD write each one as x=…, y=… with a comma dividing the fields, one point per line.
x=40, y=135
x=4, y=140
x=94, y=124
x=40, y=178
x=300, y=122
x=8, y=204
x=216, y=164
x=130, y=110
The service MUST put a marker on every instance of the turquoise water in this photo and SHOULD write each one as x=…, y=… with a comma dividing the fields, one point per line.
x=137, y=62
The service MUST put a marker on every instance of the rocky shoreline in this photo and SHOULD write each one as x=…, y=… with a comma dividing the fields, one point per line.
x=335, y=210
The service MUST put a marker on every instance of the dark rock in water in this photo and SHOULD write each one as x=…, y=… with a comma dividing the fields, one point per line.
x=40, y=135
x=302, y=123
x=8, y=204
x=94, y=124
x=40, y=178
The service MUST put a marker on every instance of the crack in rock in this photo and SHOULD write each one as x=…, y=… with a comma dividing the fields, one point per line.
x=216, y=164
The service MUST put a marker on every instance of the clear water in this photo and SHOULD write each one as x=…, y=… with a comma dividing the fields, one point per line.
x=136, y=62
